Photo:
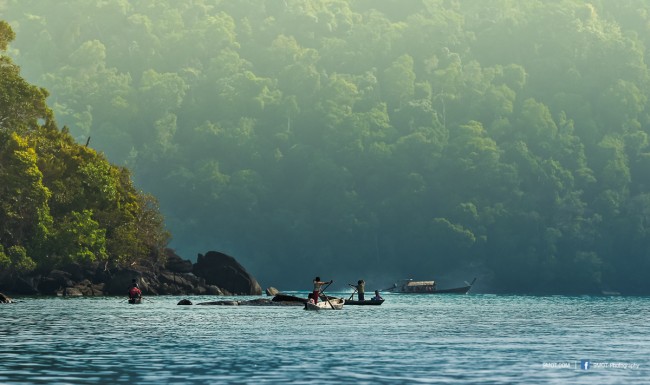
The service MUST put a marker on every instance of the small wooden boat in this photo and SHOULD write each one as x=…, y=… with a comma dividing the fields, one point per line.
x=135, y=301
x=350, y=301
x=332, y=304
x=410, y=286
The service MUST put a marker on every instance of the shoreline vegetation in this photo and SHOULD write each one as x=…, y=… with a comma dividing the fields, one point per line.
x=508, y=141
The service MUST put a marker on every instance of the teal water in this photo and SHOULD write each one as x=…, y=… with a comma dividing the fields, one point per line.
x=410, y=339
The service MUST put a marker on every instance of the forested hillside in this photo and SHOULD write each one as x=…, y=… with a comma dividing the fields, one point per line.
x=62, y=203
x=375, y=139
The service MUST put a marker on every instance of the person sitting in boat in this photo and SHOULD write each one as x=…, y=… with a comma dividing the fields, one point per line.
x=361, y=287
x=317, y=288
x=377, y=297
x=134, y=291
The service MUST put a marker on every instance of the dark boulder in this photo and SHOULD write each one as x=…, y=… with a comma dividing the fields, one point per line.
x=78, y=272
x=55, y=281
x=225, y=272
x=72, y=292
x=176, y=264
x=221, y=303
x=25, y=285
x=121, y=281
x=184, y=302
x=5, y=299
x=213, y=290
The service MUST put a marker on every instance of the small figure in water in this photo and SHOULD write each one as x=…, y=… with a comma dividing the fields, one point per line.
x=135, y=293
x=317, y=288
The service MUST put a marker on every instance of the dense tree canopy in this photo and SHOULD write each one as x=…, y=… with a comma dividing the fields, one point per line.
x=61, y=202
x=376, y=138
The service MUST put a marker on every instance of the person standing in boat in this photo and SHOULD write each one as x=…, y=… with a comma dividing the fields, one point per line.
x=361, y=289
x=134, y=291
x=317, y=288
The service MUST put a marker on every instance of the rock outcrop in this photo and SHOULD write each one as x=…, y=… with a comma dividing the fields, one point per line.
x=271, y=291
x=214, y=274
x=177, y=264
x=5, y=299
x=224, y=271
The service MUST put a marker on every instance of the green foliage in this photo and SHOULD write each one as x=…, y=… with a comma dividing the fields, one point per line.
x=16, y=260
x=6, y=35
x=80, y=239
x=510, y=137
x=61, y=202
x=24, y=213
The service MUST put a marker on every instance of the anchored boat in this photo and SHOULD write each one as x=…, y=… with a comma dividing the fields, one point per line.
x=427, y=287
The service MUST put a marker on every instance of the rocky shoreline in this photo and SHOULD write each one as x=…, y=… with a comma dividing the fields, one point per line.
x=214, y=273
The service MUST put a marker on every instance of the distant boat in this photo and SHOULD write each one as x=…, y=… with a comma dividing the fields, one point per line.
x=410, y=286
x=331, y=304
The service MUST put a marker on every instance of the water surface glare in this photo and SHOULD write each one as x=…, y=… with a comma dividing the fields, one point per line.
x=410, y=339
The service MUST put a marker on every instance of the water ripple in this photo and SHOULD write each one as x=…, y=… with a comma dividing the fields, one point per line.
x=409, y=339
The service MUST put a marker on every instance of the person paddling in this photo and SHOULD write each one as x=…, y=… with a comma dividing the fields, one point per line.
x=361, y=289
x=134, y=291
x=317, y=288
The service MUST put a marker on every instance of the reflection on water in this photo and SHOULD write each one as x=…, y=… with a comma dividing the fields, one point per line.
x=409, y=339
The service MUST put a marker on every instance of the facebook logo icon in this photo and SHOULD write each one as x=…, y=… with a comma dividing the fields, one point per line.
x=585, y=364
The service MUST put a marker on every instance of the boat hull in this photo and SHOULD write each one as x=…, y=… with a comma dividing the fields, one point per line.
x=456, y=290
x=332, y=304
x=135, y=301
x=368, y=302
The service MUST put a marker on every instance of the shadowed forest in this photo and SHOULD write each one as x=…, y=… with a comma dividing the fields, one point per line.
x=375, y=139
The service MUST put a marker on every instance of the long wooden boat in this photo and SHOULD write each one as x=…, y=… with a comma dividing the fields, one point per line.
x=410, y=286
x=367, y=302
x=332, y=304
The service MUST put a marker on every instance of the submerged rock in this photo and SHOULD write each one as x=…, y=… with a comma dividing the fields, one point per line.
x=252, y=302
x=5, y=299
x=184, y=302
x=227, y=303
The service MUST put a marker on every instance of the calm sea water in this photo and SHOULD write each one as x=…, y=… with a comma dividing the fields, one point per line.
x=410, y=339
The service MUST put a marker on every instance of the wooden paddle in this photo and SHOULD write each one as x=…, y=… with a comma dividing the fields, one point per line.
x=355, y=290
x=326, y=297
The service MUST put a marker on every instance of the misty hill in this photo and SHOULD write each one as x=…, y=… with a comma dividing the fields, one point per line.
x=370, y=139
